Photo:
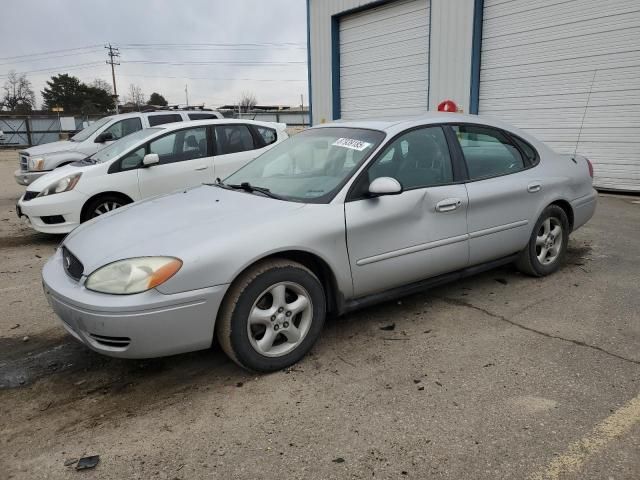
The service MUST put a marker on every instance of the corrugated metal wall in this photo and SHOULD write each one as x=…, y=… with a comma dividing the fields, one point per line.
x=384, y=61
x=545, y=64
x=450, y=40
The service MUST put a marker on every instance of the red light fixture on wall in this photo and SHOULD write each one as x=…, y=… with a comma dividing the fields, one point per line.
x=447, y=106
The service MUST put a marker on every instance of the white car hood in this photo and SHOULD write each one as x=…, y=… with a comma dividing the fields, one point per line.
x=175, y=224
x=54, y=147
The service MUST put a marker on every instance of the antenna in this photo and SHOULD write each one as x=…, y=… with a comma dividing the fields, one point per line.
x=585, y=112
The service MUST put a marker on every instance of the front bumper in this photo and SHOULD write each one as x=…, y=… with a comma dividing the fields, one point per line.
x=143, y=325
x=67, y=204
x=27, y=178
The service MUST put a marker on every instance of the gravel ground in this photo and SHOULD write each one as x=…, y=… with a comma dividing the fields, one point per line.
x=496, y=376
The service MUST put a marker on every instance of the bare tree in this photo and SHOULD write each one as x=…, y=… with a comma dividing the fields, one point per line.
x=247, y=101
x=18, y=93
x=136, y=96
x=103, y=85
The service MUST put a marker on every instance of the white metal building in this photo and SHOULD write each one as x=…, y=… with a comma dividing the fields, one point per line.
x=568, y=71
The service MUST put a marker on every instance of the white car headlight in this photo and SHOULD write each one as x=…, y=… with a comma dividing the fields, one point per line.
x=133, y=275
x=63, y=185
x=35, y=164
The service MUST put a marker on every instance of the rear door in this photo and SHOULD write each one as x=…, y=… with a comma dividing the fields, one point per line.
x=395, y=240
x=185, y=161
x=504, y=191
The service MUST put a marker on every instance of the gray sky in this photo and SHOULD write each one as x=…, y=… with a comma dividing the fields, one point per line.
x=271, y=32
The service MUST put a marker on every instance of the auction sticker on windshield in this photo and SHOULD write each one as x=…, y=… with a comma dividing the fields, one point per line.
x=351, y=143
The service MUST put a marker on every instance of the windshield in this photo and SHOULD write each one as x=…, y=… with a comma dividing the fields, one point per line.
x=123, y=145
x=311, y=166
x=82, y=135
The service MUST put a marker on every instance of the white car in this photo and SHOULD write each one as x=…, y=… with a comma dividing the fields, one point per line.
x=41, y=159
x=146, y=163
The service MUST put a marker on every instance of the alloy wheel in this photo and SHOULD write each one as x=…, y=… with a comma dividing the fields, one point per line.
x=549, y=241
x=105, y=207
x=280, y=319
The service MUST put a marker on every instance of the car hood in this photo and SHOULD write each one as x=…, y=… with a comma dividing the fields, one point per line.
x=174, y=225
x=42, y=182
x=54, y=147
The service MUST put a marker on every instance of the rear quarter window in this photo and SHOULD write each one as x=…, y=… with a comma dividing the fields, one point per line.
x=162, y=119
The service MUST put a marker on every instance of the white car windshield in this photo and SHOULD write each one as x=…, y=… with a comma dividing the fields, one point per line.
x=123, y=145
x=85, y=133
x=310, y=166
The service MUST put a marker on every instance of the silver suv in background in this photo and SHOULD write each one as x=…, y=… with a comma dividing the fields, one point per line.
x=39, y=160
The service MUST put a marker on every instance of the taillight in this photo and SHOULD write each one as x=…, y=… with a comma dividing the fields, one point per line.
x=590, y=167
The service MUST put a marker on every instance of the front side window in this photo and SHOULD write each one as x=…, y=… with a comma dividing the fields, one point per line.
x=233, y=139
x=311, y=166
x=132, y=159
x=487, y=151
x=182, y=145
x=162, y=119
x=417, y=159
x=124, y=127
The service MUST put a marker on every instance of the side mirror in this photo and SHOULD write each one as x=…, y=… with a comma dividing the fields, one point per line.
x=150, y=159
x=104, y=137
x=384, y=186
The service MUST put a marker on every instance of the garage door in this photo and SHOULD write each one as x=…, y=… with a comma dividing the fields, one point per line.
x=384, y=67
x=544, y=64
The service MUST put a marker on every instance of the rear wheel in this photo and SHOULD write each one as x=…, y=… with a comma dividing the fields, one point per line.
x=548, y=243
x=103, y=204
x=272, y=315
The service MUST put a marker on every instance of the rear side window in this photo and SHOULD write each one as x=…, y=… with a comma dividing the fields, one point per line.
x=161, y=119
x=233, y=139
x=487, y=151
x=269, y=135
x=124, y=127
x=202, y=116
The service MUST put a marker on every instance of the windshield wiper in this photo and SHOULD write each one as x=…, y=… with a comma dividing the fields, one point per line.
x=247, y=187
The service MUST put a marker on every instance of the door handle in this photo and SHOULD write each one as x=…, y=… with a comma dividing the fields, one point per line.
x=201, y=168
x=534, y=187
x=448, y=204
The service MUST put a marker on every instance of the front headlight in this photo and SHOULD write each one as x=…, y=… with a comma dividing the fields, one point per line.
x=63, y=185
x=133, y=275
x=36, y=164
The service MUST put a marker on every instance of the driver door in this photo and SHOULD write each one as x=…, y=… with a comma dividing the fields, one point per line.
x=185, y=161
x=395, y=240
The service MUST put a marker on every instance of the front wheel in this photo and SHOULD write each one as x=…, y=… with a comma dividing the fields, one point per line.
x=272, y=315
x=548, y=243
x=101, y=205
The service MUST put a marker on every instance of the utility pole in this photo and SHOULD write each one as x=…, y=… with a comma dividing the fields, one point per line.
x=113, y=53
x=186, y=93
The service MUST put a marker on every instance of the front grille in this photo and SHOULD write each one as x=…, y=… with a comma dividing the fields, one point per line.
x=72, y=265
x=28, y=195
x=113, y=342
x=24, y=162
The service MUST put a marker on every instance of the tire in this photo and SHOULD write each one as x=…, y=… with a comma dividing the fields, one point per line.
x=545, y=251
x=103, y=204
x=264, y=307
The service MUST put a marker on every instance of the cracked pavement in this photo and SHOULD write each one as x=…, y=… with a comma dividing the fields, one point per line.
x=496, y=376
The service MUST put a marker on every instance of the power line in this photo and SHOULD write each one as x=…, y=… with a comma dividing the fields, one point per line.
x=220, y=44
x=159, y=62
x=216, y=78
x=51, y=51
x=55, y=69
x=22, y=60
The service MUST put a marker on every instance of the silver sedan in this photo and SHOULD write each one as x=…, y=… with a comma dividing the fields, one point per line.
x=338, y=217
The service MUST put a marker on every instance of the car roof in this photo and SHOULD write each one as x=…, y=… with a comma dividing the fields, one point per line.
x=217, y=121
x=120, y=116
